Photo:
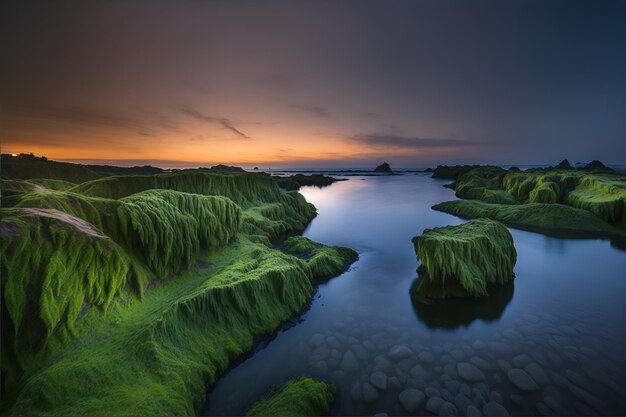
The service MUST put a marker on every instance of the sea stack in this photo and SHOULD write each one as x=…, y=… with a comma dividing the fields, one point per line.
x=384, y=167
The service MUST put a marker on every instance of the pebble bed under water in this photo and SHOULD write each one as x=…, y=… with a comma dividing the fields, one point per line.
x=550, y=343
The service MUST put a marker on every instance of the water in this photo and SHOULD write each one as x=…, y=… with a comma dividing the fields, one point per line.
x=561, y=321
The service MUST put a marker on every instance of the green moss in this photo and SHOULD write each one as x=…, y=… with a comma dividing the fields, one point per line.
x=546, y=192
x=463, y=260
x=545, y=218
x=294, y=182
x=153, y=357
x=300, y=246
x=603, y=195
x=483, y=183
x=324, y=261
x=297, y=397
x=52, y=266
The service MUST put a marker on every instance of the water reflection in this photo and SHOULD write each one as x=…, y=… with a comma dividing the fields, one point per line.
x=456, y=312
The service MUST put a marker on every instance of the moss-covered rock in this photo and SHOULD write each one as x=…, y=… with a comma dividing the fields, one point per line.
x=297, y=397
x=463, y=260
x=324, y=261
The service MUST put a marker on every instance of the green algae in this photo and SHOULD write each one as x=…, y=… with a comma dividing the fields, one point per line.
x=297, y=397
x=324, y=261
x=463, y=260
x=545, y=218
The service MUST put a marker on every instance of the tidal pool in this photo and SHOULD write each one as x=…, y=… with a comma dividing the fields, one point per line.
x=552, y=343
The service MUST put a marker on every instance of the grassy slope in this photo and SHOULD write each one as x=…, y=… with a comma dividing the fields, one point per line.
x=573, y=201
x=153, y=355
x=297, y=397
x=463, y=260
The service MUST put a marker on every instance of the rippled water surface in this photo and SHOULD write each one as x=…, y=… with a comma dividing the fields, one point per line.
x=552, y=343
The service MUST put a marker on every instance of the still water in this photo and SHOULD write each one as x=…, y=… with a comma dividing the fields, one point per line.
x=552, y=343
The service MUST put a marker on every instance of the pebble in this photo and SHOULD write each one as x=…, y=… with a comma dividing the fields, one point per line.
x=394, y=383
x=499, y=347
x=411, y=399
x=587, y=398
x=465, y=389
x=434, y=404
x=517, y=399
x=537, y=373
x=383, y=364
x=448, y=409
x=379, y=380
x=400, y=352
x=426, y=357
x=543, y=409
x=319, y=367
x=462, y=402
x=431, y=391
x=473, y=411
x=360, y=351
x=369, y=393
x=576, y=378
x=504, y=365
x=447, y=395
x=452, y=385
x=522, y=380
x=469, y=372
x=458, y=354
x=482, y=364
x=496, y=397
x=419, y=372
x=333, y=342
x=349, y=362
x=450, y=370
x=494, y=409
x=521, y=360
x=479, y=344
x=357, y=392
x=511, y=334
x=555, y=405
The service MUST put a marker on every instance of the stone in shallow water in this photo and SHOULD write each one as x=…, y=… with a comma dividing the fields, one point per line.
x=537, y=373
x=458, y=354
x=411, y=399
x=469, y=372
x=588, y=398
x=482, y=364
x=473, y=411
x=349, y=362
x=434, y=404
x=543, y=409
x=522, y=380
x=369, y=393
x=462, y=402
x=504, y=365
x=394, y=383
x=319, y=368
x=333, y=342
x=400, y=352
x=357, y=392
x=494, y=409
x=576, y=378
x=452, y=385
x=499, y=347
x=426, y=357
x=431, y=391
x=496, y=397
x=556, y=406
x=479, y=344
x=379, y=380
x=419, y=372
x=450, y=370
x=447, y=395
x=317, y=340
x=448, y=409
x=360, y=351
x=521, y=360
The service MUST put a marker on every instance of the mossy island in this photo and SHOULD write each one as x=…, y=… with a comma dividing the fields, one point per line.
x=297, y=397
x=463, y=261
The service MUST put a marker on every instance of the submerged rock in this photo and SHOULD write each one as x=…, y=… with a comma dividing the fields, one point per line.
x=411, y=399
x=461, y=261
x=369, y=393
x=469, y=372
x=399, y=352
x=494, y=409
x=522, y=380
x=379, y=380
x=349, y=362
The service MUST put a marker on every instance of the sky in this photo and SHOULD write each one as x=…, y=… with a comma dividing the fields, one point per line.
x=314, y=83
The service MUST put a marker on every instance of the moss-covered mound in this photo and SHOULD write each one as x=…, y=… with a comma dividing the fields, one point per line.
x=324, y=261
x=463, y=260
x=294, y=182
x=297, y=397
x=125, y=296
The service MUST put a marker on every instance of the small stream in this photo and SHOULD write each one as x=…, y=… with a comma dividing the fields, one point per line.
x=551, y=343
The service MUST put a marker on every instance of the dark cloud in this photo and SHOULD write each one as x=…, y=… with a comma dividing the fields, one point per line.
x=384, y=140
x=312, y=109
x=222, y=121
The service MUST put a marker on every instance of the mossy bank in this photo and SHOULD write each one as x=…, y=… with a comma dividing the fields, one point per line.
x=127, y=295
x=464, y=260
x=297, y=397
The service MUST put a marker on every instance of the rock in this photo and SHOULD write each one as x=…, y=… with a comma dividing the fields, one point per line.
x=522, y=380
x=450, y=370
x=556, y=406
x=333, y=342
x=317, y=340
x=469, y=372
x=349, y=362
x=426, y=357
x=517, y=400
x=357, y=392
x=452, y=385
x=504, y=365
x=511, y=334
x=434, y=404
x=406, y=364
x=383, y=364
x=499, y=347
x=394, y=383
x=588, y=398
x=537, y=373
x=473, y=411
x=411, y=399
x=360, y=352
x=399, y=352
x=478, y=397
x=496, y=397
x=495, y=409
x=369, y=393
x=419, y=372
x=482, y=364
x=479, y=344
x=576, y=378
x=458, y=354
x=379, y=380
x=384, y=167
x=431, y=391
x=448, y=409
x=447, y=395
x=521, y=360
x=465, y=390
x=462, y=402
